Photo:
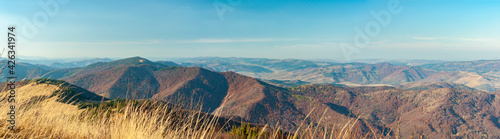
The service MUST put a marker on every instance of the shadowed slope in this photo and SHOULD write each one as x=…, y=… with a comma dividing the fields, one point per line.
x=191, y=87
x=122, y=82
x=258, y=102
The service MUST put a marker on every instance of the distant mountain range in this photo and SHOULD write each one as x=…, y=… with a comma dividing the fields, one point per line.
x=414, y=62
x=435, y=109
x=481, y=75
x=63, y=63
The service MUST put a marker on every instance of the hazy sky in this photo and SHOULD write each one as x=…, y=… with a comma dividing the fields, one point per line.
x=303, y=29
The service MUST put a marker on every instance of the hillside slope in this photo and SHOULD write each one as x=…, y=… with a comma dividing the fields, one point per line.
x=436, y=113
x=471, y=79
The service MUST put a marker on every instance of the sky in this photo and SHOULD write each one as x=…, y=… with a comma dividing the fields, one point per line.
x=340, y=30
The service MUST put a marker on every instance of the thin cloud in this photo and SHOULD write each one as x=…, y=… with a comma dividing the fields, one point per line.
x=424, y=38
x=311, y=46
x=152, y=42
x=455, y=39
x=67, y=43
x=231, y=40
x=476, y=39
x=435, y=45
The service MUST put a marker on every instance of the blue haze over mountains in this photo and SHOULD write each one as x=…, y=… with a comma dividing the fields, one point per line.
x=295, y=72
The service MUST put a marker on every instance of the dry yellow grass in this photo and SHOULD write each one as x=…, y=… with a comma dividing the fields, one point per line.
x=53, y=119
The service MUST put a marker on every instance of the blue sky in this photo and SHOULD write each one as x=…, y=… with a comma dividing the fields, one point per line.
x=303, y=29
